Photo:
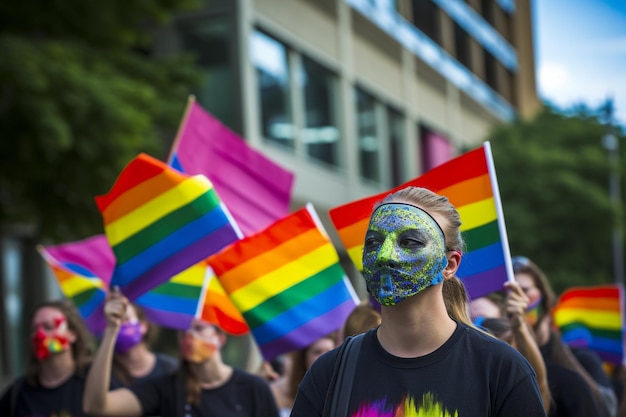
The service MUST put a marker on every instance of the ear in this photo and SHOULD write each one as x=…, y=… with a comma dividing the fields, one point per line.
x=71, y=336
x=454, y=261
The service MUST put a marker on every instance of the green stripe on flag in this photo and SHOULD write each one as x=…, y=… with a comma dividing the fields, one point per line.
x=294, y=295
x=175, y=289
x=84, y=297
x=165, y=226
x=482, y=236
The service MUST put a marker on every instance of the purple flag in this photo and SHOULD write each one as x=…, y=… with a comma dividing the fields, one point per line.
x=255, y=189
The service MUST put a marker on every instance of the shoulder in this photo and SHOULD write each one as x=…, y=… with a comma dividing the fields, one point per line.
x=486, y=348
x=167, y=360
x=242, y=377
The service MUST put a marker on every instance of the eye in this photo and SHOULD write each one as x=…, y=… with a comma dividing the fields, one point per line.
x=412, y=240
x=373, y=240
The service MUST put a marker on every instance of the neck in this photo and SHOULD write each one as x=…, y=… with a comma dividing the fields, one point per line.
x=138, y=360
x=56, y=369
x=211, y=373
x=417, y=326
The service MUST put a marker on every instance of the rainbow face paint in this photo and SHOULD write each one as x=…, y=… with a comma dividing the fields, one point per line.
x=196, y=349
x=404, y=253
x=533, y=311
x=45, y=342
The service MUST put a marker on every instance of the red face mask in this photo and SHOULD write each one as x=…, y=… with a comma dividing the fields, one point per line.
x=46, y=343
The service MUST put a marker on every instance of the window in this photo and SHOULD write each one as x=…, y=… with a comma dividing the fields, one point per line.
x=269, y=58
x=395, y=122
x=436, y=149
x=426, y=18
x=367, y=136
x=320, y=133
x=211, y=41
x=462, y=46
x=490, y=71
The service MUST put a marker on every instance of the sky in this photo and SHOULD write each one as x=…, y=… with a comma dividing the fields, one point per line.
x=580, y=53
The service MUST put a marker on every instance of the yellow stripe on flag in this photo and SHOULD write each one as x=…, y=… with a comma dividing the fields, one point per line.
x=177, y=197
x=193, y=275
x=277, y=281
x=600, y=320
x=477, y=214
x=77, y=285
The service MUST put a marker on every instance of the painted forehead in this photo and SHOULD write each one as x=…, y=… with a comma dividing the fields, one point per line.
x=396, y=214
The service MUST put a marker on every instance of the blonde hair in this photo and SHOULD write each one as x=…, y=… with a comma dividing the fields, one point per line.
x=454, y=292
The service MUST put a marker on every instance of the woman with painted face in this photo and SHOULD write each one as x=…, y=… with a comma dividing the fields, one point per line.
x=203, y=385
x=133, y=361
x=426, y=357
x=61, y=349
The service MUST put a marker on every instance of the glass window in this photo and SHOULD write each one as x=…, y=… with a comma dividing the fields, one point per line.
x=212, y=44
x=320, y=133
x=395, y=121
x=269, y=58
x=368, y=142
x=436, y=149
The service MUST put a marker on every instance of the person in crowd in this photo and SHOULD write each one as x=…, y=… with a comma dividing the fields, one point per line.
x=133, y=361
x=581, y=361
x=426, y=357
x=61, y=349
x=286, y=387
x=203, y=385
x=513, y=329
x=363, y=318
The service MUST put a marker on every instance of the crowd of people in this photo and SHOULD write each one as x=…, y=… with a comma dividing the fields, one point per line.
x=419, y=346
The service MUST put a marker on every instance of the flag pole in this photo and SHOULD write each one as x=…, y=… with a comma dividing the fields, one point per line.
x=495, y=190
x=183, y=123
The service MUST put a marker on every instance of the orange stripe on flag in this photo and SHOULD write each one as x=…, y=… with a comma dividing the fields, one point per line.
x=354, y=235
x=247, y=272
x=469, y=191
x=596, y=304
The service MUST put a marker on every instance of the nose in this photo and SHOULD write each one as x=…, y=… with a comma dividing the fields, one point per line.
x=387, y=255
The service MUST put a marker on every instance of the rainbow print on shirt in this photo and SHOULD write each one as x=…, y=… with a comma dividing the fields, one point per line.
x=409, y=407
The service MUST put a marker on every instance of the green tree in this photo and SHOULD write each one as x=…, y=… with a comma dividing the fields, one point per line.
x=553, y=177
x=81, y=94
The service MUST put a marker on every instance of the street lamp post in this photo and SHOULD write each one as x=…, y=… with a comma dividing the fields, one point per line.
x=611, y=143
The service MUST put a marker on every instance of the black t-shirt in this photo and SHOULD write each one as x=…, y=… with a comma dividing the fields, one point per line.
x=571, y=396
x=165, y=364
x=470, y=375
x=66, y=400
x=243, y=395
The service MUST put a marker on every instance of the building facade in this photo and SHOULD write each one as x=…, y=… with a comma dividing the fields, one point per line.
x=353, y=96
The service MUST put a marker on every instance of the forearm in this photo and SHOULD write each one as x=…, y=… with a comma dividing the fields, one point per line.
x=98, y=379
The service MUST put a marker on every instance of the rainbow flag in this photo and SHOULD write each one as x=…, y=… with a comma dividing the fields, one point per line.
x=218, y=308
x=159, y=222
x=593, y=317
x=287, y=282
x=73, y=266
x=470, y=184
x=256, y=190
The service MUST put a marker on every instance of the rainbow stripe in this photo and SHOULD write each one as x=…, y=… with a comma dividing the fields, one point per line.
x=219, y=309
x=592, y=317
x=81, y=286
x=256, y=190
x=469, y=183
x=160, y=222
x=287, y=282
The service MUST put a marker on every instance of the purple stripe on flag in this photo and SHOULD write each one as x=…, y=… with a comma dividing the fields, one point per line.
x=167, y=319
x=486, y=282
x=96, y=322
x=177, y=263
x=309, y=332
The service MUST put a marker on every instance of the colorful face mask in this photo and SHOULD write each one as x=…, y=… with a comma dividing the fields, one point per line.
x=55, y=341
x=533, y=312
x=197, y=350
x=404, y=253
x=129, y=336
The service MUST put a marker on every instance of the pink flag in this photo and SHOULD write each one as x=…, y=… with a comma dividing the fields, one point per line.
x=256, y=190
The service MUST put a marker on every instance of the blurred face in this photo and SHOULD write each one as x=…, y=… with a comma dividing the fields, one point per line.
x=404, y=253
x=484, y=307
x=50, y=333
x=317, y=349
x=200, y=342
x=527, y=283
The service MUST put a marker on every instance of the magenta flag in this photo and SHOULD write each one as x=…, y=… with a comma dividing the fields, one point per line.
x=256, y=190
